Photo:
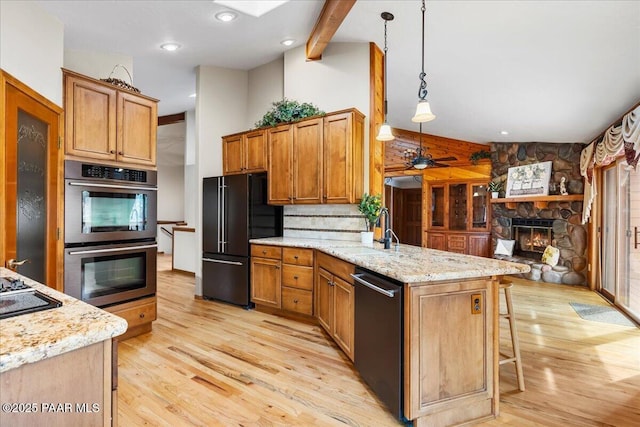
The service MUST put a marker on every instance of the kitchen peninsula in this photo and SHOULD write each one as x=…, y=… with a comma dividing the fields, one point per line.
x=449, y=315
x=56, y=364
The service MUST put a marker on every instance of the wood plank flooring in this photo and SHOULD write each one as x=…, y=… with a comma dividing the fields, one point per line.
x=212, y=364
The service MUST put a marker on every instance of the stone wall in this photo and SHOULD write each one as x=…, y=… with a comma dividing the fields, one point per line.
x=570, y=236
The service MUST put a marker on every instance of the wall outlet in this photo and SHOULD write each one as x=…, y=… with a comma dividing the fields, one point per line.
x=476, y=304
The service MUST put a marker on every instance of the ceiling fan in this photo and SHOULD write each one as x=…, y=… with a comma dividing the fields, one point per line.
x=418, y=158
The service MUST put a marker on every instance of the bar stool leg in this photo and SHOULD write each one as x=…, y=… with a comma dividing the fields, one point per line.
x=510, y=316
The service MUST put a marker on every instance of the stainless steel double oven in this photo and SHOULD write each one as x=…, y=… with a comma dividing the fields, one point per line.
x=110, y=233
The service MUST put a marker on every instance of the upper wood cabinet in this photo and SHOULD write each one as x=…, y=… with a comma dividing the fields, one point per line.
x=105, y=123
x=318, y=160
x=244, y=152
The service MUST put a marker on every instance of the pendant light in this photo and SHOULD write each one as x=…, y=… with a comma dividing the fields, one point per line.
x=385, y=130
x=423, y=110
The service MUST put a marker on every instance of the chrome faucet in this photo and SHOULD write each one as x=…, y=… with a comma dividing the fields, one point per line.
x=388, y=239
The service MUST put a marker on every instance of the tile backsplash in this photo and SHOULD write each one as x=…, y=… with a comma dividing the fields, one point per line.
x=330, y=222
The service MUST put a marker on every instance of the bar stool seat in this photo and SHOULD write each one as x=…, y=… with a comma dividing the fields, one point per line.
x=506, y=285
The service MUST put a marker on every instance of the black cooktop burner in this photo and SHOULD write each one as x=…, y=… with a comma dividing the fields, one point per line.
x=17, y=298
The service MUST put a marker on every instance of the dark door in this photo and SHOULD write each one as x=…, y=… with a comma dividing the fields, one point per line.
x=31, y=186
x=235, y=222
x=226, y=278
x=211, y=215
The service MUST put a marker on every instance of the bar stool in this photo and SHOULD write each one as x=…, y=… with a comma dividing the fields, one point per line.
x=506, y=285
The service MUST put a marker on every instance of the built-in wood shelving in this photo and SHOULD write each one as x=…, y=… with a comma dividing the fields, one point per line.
x=540, y=202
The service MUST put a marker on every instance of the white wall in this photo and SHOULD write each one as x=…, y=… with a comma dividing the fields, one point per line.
x=337, y=82
x=266, y=85
x=99, y=65
x=190, y=169
x=31, y=47
x=221, y=109
x=170, y=192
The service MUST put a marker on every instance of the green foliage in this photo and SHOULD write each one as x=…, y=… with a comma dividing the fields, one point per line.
x=482, y=154
x=495, y=186
x=287, y=111
x=371, y=207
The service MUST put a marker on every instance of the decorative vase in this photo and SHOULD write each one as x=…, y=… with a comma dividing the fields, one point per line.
x=366, y=237
x=494, y=194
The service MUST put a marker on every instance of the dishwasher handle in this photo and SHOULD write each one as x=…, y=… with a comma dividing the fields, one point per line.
x=359, y=279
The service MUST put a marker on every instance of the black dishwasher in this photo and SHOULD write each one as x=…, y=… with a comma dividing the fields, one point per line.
x=378, y=336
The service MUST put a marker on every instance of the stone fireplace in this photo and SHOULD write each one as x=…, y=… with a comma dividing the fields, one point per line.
x=533, y=225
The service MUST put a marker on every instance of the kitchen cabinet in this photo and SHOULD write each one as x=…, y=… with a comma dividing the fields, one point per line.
x=266, y=279
x=318, y=160
x=436, y=351
x=108, y=124
x=139, y=315
x=335, y=303
x=244, y=152
x=457, y=217
x=282, y=278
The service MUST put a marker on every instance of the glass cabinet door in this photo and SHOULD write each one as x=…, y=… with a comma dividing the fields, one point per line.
x=479, y=206
x=437, y=206
x=458, y=207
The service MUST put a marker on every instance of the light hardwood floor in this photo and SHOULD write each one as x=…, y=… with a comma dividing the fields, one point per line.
x=207, y=363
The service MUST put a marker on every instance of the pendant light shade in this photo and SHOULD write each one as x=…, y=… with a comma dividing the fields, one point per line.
x=385, y=134
x=423, y=113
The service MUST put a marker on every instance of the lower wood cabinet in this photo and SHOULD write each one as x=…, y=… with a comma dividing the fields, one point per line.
x=282, y=278
x=335, y=304
x=444, y=331
x=478, y=244
x=139, y=314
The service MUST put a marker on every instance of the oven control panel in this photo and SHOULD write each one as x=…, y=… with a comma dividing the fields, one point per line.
x=111, y=172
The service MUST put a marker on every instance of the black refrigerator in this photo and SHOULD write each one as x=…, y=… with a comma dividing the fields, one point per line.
x=234, y=210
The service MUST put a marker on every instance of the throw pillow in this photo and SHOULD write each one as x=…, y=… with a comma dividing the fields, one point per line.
x=504, y=247
x=551, y=256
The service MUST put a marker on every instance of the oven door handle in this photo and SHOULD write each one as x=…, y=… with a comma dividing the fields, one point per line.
x=102, y=251
x=220, y=261
x=123, y=187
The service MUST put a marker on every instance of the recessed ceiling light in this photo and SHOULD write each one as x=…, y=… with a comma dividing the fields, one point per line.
x=170, y=46
x=287, y=42
x=193, y=95
x=226, y=16
x=504, y=132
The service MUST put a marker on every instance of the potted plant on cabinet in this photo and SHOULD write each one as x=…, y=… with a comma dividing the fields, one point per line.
x=371, y=207
x=494, y=188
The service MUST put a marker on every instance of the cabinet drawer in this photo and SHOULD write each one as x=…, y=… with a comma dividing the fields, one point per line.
x=297, y=300
x=298, y=256
x=263, y=251
x=297, y=277
x=336, y=266
x=457, y=243
x=137, y=312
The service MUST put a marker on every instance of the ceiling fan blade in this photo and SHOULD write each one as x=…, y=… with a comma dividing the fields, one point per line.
x=445, y=159
x=439, y=165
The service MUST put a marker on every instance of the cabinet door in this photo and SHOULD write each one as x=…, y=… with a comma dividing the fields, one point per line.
x=137, y=129
x=457, y=243
x=280, y=159
x=255, y=151
x=265, y=282
x=437, y=241
x=457, y=206
x=344, y=312
x=479, y=215
x=479, y=245
x=324, y=299
x=438, y=207
x=307, y=161
x=339, y=165
x=436, y=350
x=232, y=155
x=90, y=119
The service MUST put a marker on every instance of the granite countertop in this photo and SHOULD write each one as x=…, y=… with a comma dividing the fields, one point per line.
x=29, y=338
x=409, y=264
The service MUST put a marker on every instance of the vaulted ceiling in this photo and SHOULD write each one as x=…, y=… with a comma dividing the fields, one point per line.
x=556, y=71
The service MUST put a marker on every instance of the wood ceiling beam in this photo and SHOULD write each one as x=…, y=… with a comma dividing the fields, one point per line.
x=332, y=15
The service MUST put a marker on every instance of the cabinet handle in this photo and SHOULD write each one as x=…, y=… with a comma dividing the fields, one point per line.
x=295, y=301
x=295, y=277
x=295, y=256
x=330, y=283
x=277, y=267
x=120, y=153
x=112, y=151
x=142, y=315
x=264, y=252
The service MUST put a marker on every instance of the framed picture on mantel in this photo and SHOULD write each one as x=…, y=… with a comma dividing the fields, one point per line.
x=529, y=180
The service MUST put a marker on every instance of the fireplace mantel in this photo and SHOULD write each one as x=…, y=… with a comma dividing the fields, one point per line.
x=540, y=202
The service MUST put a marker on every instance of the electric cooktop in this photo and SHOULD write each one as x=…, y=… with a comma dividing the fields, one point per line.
x=16, y=298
